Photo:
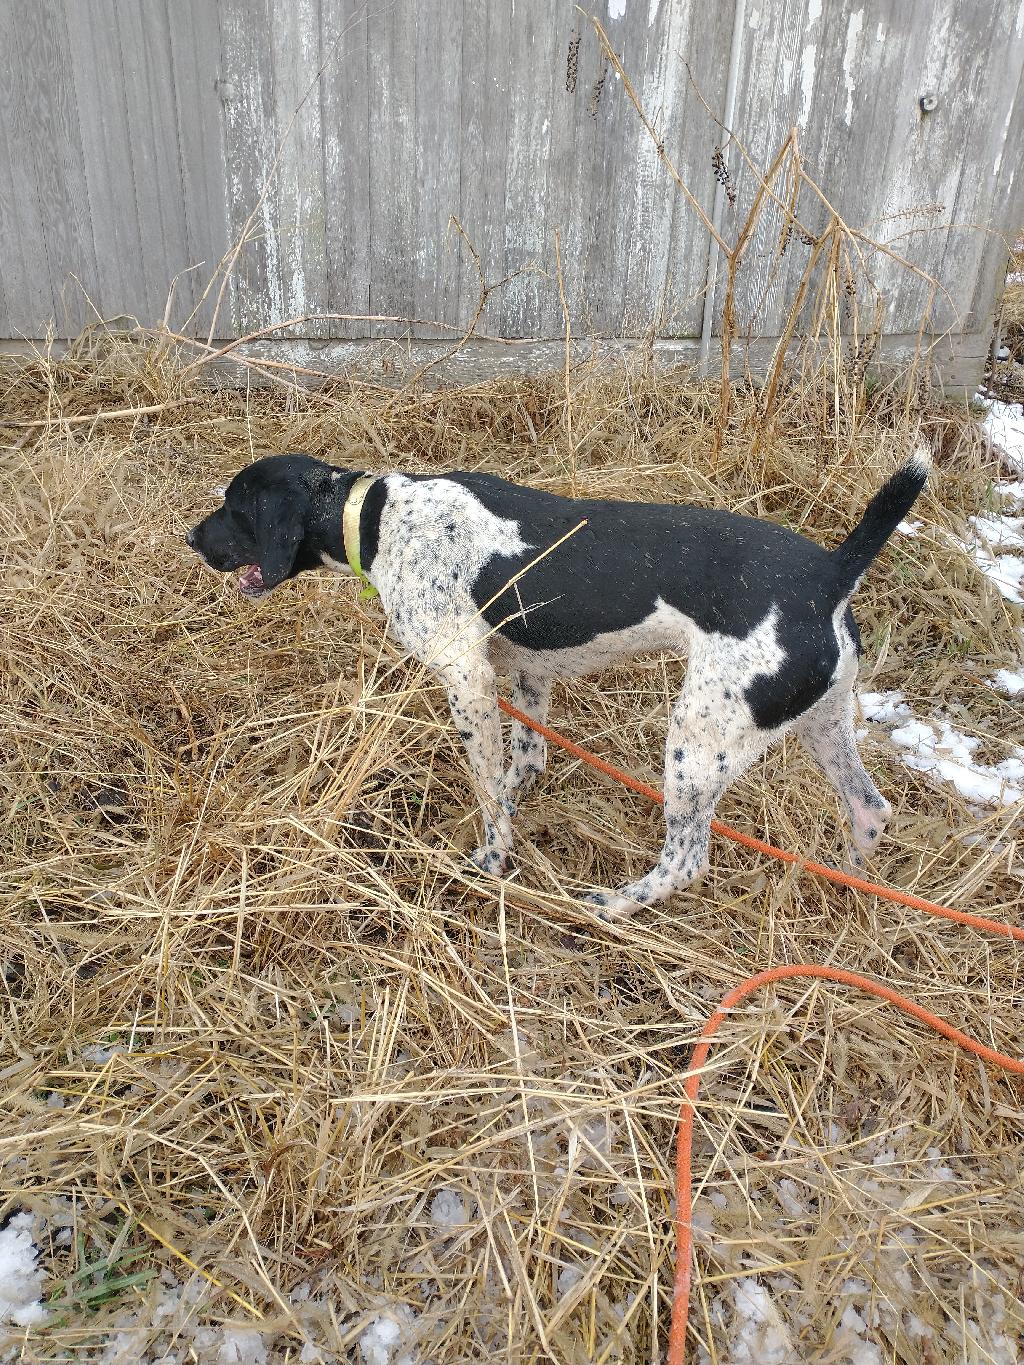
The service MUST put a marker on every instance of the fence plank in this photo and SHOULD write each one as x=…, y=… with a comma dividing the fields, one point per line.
x=249, y=137
x=345, y=95
x=298, y=191
x=486, y=75
x=23, y=265
x=194, y=33
x=392, y=143
x=438, y=252
x=46, y=132
x=120, y=282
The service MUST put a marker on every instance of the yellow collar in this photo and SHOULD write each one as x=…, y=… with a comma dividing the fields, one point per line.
x=350, y=528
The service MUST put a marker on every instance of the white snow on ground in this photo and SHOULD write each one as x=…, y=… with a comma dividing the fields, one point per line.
x=996, y=533
x=1005, y=571
x=242, y=1348
x=383, y=1337
x=447, y=1209
x=1010, y=683
x=1003, y=423
x=910, y=527
x=948, y=753
x=21, y=1283
x=378, y=1341
x=759, y=1336
x=568, y=1278
x=884, y=707
x=935, y=747
x=1001, y=532
x=856, y=1349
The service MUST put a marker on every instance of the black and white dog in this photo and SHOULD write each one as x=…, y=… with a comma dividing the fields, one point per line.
x=459, y=563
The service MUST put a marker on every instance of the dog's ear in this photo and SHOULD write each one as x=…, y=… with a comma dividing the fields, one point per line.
x=280, y=527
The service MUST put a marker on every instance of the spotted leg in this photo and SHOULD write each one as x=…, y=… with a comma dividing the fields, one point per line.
x=531, y=694
x=473, y=698
x=712, y=740
x=826, y=731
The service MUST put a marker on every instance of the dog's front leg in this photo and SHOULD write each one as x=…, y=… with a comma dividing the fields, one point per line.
x=473, y=698
x=531, y=694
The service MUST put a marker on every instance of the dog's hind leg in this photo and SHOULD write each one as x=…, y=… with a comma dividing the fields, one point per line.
x=712, y=740
x=473, y=698
x=531, y=694
x=826, y=731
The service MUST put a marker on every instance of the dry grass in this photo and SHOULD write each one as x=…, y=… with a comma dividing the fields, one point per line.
x=234, y=852
x=1006, y=380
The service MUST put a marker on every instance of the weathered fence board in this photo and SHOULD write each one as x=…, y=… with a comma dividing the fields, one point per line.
x=137, y=137
x=345, y=100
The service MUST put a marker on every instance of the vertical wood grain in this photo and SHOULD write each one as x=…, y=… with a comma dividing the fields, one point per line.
x=48, y=145
x=257, y=296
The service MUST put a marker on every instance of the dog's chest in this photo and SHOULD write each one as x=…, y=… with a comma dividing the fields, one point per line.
x=435, y=537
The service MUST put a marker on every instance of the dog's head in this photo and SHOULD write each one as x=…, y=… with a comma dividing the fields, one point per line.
x=275, y=522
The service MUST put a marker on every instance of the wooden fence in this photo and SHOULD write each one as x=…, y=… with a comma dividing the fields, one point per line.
x=136, y=137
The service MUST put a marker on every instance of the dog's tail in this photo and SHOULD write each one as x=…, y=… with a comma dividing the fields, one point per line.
x=882, y=515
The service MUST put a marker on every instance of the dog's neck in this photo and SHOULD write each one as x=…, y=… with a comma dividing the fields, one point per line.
x=328, y=516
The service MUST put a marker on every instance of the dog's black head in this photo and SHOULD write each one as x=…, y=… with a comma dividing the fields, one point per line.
x=281, y=515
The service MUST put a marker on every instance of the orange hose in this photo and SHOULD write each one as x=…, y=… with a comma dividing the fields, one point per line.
x=684, y=1144
x=833, y=874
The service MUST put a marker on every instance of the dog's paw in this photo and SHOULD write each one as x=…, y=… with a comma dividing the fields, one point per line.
x=856, y=860
x=490, y=860
x=610, y=905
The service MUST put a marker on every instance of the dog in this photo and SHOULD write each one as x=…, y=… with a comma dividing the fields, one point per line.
x=480, y=577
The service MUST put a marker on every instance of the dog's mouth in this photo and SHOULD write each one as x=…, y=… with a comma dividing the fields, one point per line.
x=250, y=581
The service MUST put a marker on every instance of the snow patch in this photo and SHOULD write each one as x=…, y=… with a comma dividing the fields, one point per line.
x=1003, y=423
x=21, y=1283
x=447, y=1209
x=856, y=1349
x=1000, y=531
x=939, y=749
x=242, y=1348
x=382, y=1337
x=884, y=707
x=1005, y=571
x=946, y=752
x=98, y=1054
x=759, y=1336
x=568, y=1277
x=1010, y=683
